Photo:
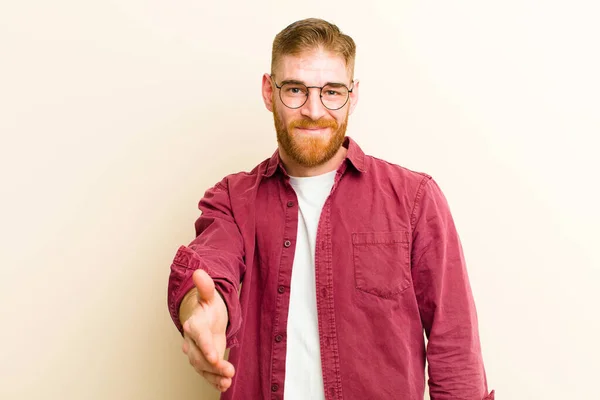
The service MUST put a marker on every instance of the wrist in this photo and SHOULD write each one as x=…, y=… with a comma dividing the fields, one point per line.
x=224, y=305
x=188, y=305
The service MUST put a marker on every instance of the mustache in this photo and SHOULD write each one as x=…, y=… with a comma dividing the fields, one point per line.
x=310, y=124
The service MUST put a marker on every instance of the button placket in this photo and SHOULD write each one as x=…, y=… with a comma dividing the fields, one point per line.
x=290, y=211
x=325, y=305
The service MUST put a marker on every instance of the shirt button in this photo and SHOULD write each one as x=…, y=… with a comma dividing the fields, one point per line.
x=290, y=203
x=281, y=289
x=274, y=388
x=287, y=243
x=278, y=338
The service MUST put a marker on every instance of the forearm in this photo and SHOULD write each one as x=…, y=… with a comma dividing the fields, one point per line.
x=445, y=301
x=218, y=249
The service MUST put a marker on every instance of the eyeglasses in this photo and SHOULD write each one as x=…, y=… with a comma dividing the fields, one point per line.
x=294, y=94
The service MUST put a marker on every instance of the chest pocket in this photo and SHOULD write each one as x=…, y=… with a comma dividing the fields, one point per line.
x=381, y=262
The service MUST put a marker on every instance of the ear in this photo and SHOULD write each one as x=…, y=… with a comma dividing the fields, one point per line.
x=267, y=91
x=354, y=96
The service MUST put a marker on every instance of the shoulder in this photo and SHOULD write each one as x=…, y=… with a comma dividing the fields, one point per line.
x=396, y=174
x=419, y=189
x=242, y=180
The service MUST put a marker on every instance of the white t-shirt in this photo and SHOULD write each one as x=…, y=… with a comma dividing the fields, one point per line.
x=303, y=374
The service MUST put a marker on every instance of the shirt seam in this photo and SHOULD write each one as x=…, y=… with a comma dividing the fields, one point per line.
x=418, y=198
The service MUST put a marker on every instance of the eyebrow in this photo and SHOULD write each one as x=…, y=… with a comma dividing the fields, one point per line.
x=297, y=82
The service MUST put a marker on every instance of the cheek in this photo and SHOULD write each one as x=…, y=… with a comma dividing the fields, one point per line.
x=340, y=117
x=286, y=115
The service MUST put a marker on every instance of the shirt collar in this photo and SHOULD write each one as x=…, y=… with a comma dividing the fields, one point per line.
x=354, y=156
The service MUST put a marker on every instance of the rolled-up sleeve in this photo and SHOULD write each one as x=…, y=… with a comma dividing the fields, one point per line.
x=446, y=305
x=218, y=249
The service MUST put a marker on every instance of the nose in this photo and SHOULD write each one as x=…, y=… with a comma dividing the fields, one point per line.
x=313, y=108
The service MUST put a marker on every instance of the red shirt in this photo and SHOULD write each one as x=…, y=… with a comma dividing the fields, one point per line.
x=389, y=266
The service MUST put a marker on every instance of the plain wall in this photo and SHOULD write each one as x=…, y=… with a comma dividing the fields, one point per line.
x=116, y=116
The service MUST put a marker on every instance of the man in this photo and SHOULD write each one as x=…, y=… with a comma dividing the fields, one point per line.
x=345, y=259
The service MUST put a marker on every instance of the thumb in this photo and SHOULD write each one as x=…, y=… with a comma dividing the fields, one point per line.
x=205, y=285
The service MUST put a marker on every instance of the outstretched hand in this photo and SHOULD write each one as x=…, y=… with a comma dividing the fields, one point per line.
x=204, y=334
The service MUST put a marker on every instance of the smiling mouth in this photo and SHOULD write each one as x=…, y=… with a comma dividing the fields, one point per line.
x=312, y=129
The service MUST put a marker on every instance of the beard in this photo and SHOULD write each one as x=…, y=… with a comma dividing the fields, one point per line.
x=310, y=150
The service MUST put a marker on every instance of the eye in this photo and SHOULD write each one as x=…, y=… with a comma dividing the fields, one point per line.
x=294, y=90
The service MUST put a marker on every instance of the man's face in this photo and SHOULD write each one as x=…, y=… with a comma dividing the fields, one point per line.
x=311, y=134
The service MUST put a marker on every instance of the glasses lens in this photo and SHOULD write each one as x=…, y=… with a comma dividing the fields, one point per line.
x=293, y=95
x=334, y=96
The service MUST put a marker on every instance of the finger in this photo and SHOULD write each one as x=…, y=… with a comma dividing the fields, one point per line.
x=201, y=335
x=222, y=367
x=225, y=369
x=198, y=361
x=217, y=381
x=205, y=286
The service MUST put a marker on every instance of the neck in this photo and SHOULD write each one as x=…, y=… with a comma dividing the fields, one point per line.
x=295, y=169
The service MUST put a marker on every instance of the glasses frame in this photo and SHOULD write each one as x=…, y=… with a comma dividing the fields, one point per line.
x=320, y=94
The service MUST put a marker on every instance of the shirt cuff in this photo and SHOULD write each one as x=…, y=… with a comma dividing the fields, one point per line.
x=182, y=282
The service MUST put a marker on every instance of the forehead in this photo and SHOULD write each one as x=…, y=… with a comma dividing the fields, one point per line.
x=314, y=68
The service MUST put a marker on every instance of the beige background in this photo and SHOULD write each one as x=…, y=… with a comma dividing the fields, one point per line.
x=115, y=116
